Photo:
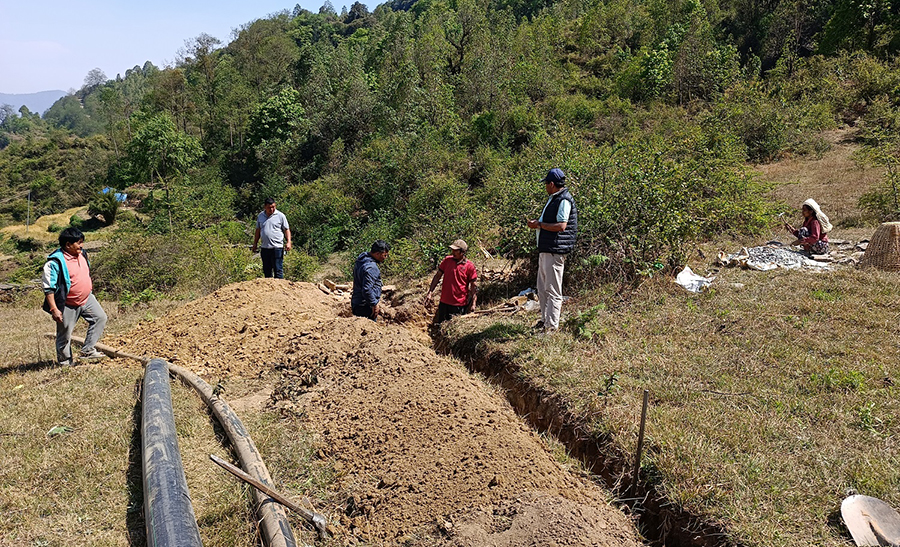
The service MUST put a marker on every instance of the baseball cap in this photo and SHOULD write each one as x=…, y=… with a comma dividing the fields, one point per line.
x=556, y=176
x=459, y=245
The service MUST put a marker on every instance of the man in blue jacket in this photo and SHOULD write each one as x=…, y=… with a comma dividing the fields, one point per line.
x=68, y=291
x=367, y=281
x=556, y=231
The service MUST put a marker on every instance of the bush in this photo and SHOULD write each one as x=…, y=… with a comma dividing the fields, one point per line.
x=640, y=203
x=181, y=263
x=299, y=266
x=439, y=212
x=233, y=232
x=320, y=216
x=105, y=205
x=758, y=121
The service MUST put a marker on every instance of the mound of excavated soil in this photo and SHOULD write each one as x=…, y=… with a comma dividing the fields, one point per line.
x=422, y=448
x=235, y=330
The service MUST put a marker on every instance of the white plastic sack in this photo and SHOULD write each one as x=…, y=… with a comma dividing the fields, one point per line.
x=691, y=281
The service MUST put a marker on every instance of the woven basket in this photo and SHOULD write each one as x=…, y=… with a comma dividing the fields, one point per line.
x=883, y=251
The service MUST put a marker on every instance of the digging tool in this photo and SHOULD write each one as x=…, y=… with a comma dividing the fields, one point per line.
x=871, y=521
x=317, y=520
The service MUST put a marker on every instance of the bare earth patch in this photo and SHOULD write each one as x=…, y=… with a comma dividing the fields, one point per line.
x=424, y=452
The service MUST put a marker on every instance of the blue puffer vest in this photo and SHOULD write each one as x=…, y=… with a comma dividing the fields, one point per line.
x=559, y=242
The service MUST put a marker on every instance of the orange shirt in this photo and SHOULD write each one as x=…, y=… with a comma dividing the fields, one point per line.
x=80, y=277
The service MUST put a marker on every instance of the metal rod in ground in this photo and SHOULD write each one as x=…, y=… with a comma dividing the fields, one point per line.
x=317, y=520
x=640, y=443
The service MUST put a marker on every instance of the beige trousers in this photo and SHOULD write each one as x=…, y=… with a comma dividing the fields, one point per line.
x=549, y=287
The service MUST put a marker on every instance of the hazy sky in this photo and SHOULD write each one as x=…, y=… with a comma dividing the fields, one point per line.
x=52, y=44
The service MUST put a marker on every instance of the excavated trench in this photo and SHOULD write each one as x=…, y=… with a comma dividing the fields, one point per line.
x=660, y=520
x=419, y=446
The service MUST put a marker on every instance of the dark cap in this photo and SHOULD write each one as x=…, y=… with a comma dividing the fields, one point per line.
x=269, y=201
x=556, y=176
x=380, y=246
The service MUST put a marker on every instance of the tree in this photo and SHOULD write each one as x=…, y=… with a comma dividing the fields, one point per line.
x=327, y=8
x=68, y=113
x=94, y=78
x=264, y=53
x=278, y=128
x=201, y=61
x=160, y=152
x=871, y=25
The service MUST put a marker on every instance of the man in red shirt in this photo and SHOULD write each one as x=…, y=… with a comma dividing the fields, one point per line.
x=68, y=291
x=458, y=294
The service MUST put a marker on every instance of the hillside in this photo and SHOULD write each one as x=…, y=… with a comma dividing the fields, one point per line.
x=36, y=102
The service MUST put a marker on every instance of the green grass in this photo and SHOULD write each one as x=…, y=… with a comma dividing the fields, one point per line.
x=768, y=402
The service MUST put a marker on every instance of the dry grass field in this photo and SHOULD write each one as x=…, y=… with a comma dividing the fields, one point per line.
x=836, y=180
x=771, y=395
x=83, y=486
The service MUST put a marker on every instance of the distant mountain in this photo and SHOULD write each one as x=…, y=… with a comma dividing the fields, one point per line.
x=36, y=102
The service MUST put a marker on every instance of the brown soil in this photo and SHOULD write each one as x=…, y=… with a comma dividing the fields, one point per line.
x=425, y=452
x=234, y=331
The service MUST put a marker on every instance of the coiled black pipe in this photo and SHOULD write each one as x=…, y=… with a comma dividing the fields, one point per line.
x=167, y=504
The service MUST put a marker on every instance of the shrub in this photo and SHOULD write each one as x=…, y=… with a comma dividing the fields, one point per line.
x=105, y=205
x=439, y=212
x=881, y=148
x=299, y=266
x=758, y=121
x=640, y=203
x=233, y=232
x=181, y=263
x=320, y=215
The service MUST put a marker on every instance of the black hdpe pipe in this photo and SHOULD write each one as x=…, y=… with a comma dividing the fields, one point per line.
x=273, y=521
x=167, y=504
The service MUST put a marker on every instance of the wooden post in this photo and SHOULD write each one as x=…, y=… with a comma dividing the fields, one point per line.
x=640, y=443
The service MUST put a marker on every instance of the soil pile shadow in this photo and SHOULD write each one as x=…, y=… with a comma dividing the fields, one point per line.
x=425, y=453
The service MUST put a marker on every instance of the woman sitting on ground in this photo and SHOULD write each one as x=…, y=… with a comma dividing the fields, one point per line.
x=813, y=235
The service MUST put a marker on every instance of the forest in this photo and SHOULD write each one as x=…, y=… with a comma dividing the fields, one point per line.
x=423, y=121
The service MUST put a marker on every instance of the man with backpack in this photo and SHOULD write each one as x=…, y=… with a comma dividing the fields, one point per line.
x=68, y=295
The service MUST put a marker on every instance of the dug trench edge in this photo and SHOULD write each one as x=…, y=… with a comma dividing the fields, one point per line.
x=662, y=521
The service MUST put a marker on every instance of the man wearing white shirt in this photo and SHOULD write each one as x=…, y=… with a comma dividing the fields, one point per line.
x=274, y=236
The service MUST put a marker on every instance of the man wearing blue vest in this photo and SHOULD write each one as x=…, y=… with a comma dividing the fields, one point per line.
x=556, y=230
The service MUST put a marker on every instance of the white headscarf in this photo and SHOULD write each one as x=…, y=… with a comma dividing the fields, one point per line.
x=820, y=216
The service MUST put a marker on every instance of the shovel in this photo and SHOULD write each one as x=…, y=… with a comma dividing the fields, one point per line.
x=871, y=521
